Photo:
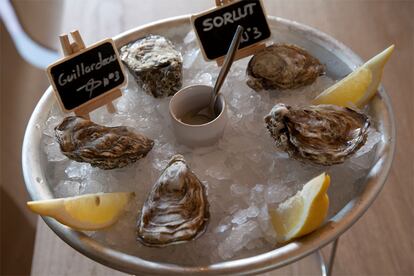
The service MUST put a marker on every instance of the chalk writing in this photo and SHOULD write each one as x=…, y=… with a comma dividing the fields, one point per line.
x=92, y=84
x=246, y=34
x=82, y=77
x=82, y=69
x=228, y=17
x=215, y=28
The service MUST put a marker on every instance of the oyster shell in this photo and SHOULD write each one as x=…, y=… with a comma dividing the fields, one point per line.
x=176, y=210
x=102, y=147
x=323, y=134
x=155, y=64
x=283, y=66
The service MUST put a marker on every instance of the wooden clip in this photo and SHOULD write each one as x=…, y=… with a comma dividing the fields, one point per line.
x=78, y=44
x=104, y=100
x=70, y=49
x=78, y=39
x=110, y=107
x=222, y=2
x=64, y=42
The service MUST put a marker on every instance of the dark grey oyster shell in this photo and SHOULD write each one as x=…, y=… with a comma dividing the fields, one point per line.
x=323, y=134
x=155, y=64
x=102, y=147
x=282, y=66
x=176, y=210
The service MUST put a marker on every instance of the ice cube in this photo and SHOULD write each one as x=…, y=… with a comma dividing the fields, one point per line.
x=277, y=193
x=239, y=237
x=50, y=124
x=78, y=170
x=252, y=244
x=66, y=188
x=190, y=37
x=238, y=190
x=53, y=152
x=257, y=194
x=189, y=57
x=373, y=138
x=242, y=216
x=206, y=79
x=222, y=228
x=265, y=224
x=91, y=186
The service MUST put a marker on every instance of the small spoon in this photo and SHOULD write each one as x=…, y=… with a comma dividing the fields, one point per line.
x=209, y=111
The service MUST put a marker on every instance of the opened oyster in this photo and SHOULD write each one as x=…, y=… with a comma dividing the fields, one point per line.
x=102, y=147
x=282, y=66
x=155, y=64
x=176, y=210
x=323, y=134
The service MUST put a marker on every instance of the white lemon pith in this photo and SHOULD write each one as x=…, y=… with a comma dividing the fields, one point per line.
x=358, y=88
x=304, y=212
x=85, y=212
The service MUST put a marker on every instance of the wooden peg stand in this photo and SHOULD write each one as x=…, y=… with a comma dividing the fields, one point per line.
x=72, y=48
x=223, y=2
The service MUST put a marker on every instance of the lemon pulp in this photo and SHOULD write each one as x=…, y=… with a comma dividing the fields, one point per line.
x=358, y=88
x=304, y=212
x=86, y=212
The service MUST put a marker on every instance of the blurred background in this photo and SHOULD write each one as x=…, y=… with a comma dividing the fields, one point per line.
x=380, y=243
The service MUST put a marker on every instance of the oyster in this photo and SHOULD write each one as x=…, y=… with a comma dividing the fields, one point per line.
x=155, y=64
x=103, y=147
x=323, y=134
x=176, y=210
x=282, y=66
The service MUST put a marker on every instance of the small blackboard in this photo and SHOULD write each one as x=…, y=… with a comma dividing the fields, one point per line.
x=215, y=28
x=87, y=75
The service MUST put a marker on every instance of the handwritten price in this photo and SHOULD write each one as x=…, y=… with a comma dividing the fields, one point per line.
x=93, y=84
x=251, y=32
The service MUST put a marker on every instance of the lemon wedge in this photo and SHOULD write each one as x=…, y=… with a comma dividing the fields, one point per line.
x=360, y=86
x=85, y=212
x=304, y=212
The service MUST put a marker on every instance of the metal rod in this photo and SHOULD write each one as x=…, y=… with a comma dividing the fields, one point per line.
x=228, y=61
x=326, y=268
x=332, y=257
x=322, y=263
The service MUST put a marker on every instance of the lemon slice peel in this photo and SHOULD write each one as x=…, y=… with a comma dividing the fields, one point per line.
x=85, y=212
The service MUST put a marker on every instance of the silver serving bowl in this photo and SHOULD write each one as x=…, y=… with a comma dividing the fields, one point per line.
x=340, y=60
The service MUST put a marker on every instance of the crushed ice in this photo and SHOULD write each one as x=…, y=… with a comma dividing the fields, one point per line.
x=243, y=172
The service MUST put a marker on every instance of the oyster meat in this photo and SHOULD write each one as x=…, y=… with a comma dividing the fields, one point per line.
x=103, y=147
x=282, y=66
x=176, y=210
x=155, y=64
x=323, y=134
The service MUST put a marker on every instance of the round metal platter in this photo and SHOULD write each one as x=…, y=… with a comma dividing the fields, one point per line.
x=339, y=61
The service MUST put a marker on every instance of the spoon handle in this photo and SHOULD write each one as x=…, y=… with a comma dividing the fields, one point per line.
x=228, y=60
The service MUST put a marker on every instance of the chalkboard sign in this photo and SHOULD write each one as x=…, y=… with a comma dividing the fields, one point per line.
x=87, y=75
x=215, y=28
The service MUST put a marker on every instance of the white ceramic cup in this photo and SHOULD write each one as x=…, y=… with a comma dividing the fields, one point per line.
x=190, y=99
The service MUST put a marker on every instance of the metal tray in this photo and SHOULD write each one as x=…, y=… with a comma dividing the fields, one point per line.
x=339, y=59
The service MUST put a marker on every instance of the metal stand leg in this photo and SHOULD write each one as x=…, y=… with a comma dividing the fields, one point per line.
x=332, y=256
x=326, y=268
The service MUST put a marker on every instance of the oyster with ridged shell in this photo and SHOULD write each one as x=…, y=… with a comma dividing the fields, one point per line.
x=103, y=147
x=176, y=210
x=323, y=134
x=155, y=64
x=282, y=66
